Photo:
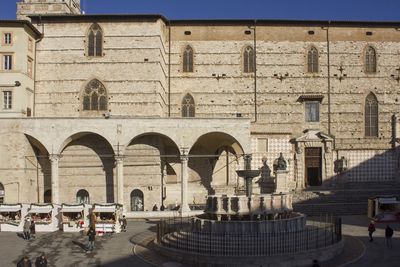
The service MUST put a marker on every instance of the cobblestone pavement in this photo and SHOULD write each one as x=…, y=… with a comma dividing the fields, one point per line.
x=67, y=249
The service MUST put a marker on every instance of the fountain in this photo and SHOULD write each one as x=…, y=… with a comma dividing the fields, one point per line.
x=249, y=230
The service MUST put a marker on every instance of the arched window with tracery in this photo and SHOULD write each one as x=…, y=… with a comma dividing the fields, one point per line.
x=188, y=59
x=95, y=96
x=248, y=60
x=82, y=196
x=2, y=193
x=370, y=60
x=95, y=41
x=188, y=106
x=137, y=200
x=312, y=60
x=371, y=116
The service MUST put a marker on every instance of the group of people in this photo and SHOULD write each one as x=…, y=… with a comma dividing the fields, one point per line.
x=41, y=261
x=29, y=228
x=388, y=234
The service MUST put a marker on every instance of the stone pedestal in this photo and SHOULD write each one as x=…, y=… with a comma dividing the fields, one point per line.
x=282, y=181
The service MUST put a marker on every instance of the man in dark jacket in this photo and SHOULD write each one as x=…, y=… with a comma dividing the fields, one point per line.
x=41, y=261
x=91, y=236
x=24, y=262
x=388, y=236
x=32, y=229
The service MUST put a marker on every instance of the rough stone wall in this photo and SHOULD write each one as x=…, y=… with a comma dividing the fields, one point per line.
x=18, y=172
x=133, y=69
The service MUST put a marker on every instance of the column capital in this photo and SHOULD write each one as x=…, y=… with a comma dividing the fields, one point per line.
x=184, y=154
x=119, y=158
x=54, y=157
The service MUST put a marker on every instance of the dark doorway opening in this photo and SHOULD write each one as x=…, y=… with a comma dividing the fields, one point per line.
x=313, y=168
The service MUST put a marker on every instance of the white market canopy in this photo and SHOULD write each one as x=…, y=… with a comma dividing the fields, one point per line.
x=72, y=208
x=391, y=200
x=101, y=208
x=10, y=208
x=40, y=209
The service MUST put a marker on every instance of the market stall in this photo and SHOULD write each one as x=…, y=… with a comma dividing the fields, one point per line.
x=45, y=217
x=74, y=217
x=11, y=217
x=384, y=209
x=106, y=218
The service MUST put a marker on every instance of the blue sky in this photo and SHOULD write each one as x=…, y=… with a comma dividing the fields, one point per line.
x=370, y=10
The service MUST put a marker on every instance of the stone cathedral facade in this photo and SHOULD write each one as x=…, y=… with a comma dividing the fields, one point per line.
x=142, y=110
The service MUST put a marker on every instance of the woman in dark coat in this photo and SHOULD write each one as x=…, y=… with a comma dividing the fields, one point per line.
x=24, y=262
x=41, y=261
x=32, y=229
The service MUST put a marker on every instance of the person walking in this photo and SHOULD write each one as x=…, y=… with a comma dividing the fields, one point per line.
x=32, y=229
x=24, y=262
x=41, y=261
x=315, y=264
x=91, y=238
x=123, y=224
x=27, y=229
x=371, y=230
x=388, y=236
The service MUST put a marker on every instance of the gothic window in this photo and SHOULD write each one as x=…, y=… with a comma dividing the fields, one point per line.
x=370, y=60
x=137, y=203
x=311, y=111
x=188, y=59
x=248, y=60
x=188, y=106
x=95, y=96
x=312, y=59
x=82, y=196
x=2, y=193
x=95, y=41
x=371, y=116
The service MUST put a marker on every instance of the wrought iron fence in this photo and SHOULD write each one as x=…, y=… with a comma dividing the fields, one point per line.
x=177, y=233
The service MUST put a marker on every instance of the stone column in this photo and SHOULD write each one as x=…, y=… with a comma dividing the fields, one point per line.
x=120, y=179
x=55, y=183
x=184, y=183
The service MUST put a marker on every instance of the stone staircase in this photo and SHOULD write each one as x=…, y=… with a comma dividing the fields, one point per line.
x=351, y=199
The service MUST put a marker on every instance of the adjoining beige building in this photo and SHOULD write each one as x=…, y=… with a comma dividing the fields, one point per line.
x=142, y=110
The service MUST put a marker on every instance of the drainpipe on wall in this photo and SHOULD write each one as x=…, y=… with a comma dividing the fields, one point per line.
x=34, y=72
x=329, y=78
x=255, y=70
x=169, y=68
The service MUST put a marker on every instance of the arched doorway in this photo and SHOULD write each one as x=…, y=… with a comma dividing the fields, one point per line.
x=2, y=193
x=137, y=200
x=47, y=196
x=82, y=196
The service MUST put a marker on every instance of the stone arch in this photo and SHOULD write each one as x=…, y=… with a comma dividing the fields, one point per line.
x=42, y=163
x=213, y=159
x=150, y=160
x=137, y=200
x=83, y=196
x=87, y=161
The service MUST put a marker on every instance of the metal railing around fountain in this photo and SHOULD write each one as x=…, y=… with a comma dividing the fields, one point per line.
x=177, y=233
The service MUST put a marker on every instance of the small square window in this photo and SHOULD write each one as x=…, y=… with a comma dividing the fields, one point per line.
x=311, y=111
x=30, y=44
x=30, y=67
x=7, y=62
x=7, y=96
x=7, y=38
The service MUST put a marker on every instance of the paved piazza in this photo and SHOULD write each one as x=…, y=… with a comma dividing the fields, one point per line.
x=65, y=249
